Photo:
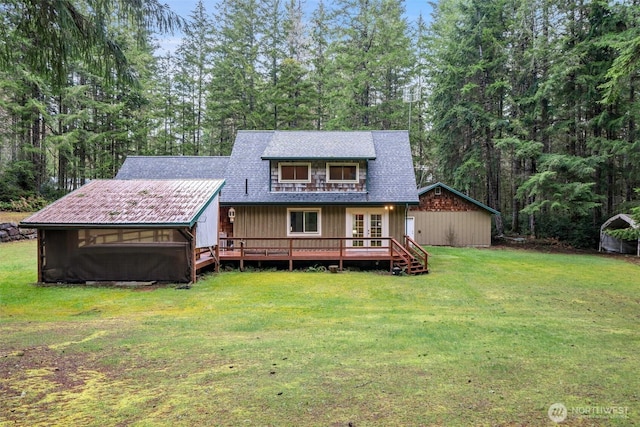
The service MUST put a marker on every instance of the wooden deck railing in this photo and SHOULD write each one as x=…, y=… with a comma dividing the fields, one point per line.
x=337, y=249
x=417, y=251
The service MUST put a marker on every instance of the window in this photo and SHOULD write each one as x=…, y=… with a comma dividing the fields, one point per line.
x=342, y=172
x=303, y=221
x=294, y=172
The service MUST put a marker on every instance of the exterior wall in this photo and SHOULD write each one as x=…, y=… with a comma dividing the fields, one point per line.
x=271, y=221
x=226, y=226
x=319, y=179
x=208, y=223
x=470, y=228
x=397, y=226
x=446, y=201
x=447, y=219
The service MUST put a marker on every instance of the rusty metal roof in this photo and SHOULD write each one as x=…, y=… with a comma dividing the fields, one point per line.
x=113, y=203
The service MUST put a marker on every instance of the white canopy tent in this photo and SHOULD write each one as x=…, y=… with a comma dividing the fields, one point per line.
x=609, y=243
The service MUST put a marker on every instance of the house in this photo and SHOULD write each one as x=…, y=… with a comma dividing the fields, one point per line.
x=355, y=184
x=447, y=217
x=128, y=230
x=609, y=243
x=344, y=192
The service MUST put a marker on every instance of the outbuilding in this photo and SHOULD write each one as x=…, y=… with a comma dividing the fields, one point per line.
x=609, y=243
x=127, y=230
x=447, y=217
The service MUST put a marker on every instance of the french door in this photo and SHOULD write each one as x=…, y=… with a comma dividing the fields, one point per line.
x=365, y=226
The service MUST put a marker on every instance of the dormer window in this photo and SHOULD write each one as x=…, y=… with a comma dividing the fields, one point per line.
x=342, y=172
x=294, y=172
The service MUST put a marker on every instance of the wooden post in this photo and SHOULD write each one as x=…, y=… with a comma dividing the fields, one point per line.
x=242, y=255
x=40, y=238
x=192, y=241
x=290, y=254
x=217, y=255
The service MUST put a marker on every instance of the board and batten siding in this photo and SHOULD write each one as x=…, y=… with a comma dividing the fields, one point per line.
x=271, y=221
x=464, y=228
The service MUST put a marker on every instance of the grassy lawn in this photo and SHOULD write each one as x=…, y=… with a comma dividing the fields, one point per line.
x=490, y=337
x=13, y=216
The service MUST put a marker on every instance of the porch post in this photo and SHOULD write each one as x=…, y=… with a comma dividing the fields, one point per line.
x=40, y=238
x=192, y=243
x=290, y=254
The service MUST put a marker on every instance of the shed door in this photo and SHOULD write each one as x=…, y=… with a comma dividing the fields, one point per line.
x=410, y=227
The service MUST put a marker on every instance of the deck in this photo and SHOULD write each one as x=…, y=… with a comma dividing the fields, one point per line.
x=409, y=256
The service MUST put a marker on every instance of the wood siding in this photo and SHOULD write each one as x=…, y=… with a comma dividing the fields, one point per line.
x=445, y=201
x=319, y=179
x=462, y=228
x=271, y=221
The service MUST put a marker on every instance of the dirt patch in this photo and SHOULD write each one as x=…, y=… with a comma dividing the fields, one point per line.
x=556, y=246
x=30, y=377
x=38, y=381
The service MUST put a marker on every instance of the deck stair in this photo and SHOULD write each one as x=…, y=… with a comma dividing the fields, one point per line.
x=411, y=258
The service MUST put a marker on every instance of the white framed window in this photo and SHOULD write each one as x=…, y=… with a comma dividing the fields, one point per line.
x=304, y=221
x=294, y=172
x=343, y=172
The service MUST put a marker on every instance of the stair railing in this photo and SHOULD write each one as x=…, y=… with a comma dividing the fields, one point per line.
x=402, y=252
x=417, y=251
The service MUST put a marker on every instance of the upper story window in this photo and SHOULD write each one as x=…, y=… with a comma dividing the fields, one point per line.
x=294, y=172
x=342, y=172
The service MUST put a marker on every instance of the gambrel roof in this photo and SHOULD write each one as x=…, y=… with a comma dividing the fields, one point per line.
x=128, y=203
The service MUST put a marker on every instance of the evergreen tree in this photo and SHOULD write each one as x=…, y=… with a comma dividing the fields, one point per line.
x=273, y=53
x=320, y=65
x=372, y=57
x=234, y=92
x=194, y=58
x=49, y=35
x=470, y=84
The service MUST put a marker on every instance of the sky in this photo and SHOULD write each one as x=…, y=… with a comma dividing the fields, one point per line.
x=184, y=8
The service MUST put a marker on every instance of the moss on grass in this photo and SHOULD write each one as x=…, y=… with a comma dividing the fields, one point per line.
x=490, y=337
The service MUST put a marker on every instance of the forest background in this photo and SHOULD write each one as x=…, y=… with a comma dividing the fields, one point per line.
x=527, y=105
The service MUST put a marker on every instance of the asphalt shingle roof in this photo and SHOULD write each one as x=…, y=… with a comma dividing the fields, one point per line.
x=339, y=145
x=391, y=178
x=129, y=203
x=173, y=167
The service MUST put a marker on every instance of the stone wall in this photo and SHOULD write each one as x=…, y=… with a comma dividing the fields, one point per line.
x=9, y=231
